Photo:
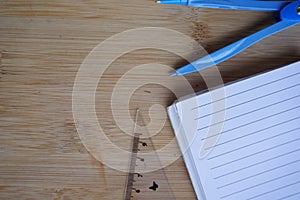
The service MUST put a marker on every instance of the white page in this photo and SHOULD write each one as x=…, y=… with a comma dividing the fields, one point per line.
x=257, y=154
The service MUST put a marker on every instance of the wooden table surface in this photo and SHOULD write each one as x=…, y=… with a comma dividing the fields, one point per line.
x=42, y=46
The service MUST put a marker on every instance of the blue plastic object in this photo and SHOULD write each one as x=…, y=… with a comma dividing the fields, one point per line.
x=261, y=5
x=289, y=15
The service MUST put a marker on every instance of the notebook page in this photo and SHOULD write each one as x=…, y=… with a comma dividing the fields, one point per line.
x=257, y=153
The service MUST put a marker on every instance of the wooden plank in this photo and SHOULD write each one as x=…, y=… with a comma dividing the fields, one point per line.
x=42, y=46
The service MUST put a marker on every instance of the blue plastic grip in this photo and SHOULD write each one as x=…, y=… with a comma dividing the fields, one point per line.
x=260, y=5
x=289, y=16
x=178, y=2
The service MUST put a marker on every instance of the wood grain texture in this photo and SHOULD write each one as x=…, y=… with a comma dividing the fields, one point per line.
x=42, y=46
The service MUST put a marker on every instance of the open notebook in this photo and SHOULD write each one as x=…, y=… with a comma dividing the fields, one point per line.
x=249, y=148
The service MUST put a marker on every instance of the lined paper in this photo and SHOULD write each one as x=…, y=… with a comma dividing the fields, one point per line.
x=256, y=155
